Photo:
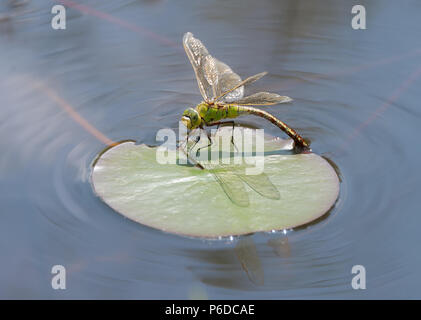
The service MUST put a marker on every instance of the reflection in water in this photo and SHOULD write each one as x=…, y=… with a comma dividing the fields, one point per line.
x=121, y=70
x=247, y=255
x=280, y=246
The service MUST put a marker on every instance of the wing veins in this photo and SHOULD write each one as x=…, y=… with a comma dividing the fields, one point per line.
x=262, y=99
x=242, y=83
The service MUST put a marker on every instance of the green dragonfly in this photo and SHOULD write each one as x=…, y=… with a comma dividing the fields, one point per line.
x=223, y=91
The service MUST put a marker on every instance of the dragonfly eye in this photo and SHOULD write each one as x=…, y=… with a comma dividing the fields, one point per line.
x=186, y=121
x=191, y=119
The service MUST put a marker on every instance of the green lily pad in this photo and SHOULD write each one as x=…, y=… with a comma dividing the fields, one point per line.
x=189, y=201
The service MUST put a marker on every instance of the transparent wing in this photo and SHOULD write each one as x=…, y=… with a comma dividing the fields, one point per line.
x=262, y=99
x=262, y=185
x=232, y=185
x=204, y=66
x=228, y=79
x=224, y=96
x=215, y=79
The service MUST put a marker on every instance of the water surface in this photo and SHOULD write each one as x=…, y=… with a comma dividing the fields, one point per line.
x=119, y=72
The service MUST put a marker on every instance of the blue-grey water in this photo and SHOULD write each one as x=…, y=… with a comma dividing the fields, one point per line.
x=118, y=71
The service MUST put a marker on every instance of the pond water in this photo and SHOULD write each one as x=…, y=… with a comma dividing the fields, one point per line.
x=119, y=72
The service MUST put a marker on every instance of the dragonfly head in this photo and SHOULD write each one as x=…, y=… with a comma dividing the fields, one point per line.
x=191, y=119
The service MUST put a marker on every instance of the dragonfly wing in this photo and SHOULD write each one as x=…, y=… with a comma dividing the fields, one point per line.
x=232, y=185
x=204, y=66
x=215, y=79
x=262, y=185
x=222, y=97
x=228, y=79
x=263, y=99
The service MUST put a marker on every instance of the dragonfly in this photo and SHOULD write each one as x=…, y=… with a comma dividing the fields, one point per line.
x=223, y=94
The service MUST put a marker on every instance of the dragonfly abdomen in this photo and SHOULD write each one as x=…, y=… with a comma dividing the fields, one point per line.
x=280, y=124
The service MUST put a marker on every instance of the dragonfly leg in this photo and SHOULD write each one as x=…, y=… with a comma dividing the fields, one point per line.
x=197, y=140
x=210, y=143
x=218, y=124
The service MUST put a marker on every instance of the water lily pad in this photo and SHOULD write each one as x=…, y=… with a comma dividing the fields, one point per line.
x=186, y=200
